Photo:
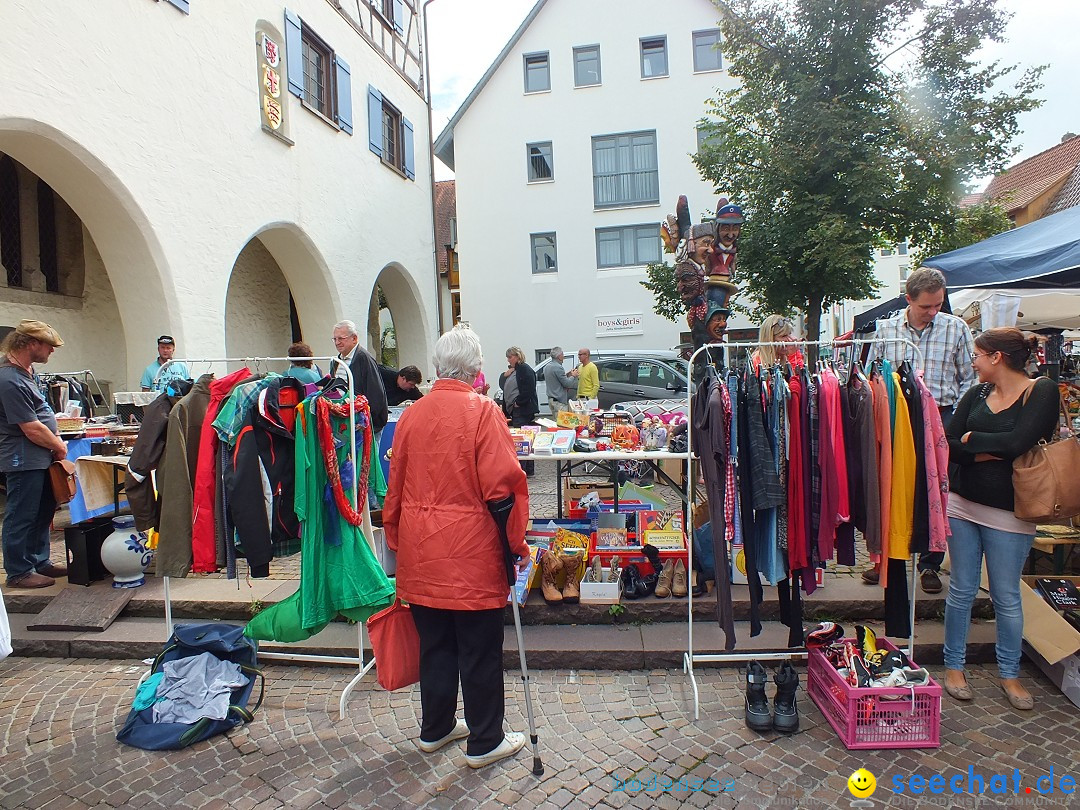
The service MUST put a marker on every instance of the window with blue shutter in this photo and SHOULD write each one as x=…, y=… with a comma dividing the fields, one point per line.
x=182, y=5
x=294, y=53
x=407, y=149
x=375, y=120
x=343, y=82
x=399, y=15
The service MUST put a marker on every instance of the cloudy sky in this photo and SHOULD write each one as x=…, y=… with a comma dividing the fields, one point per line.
x=467, y=35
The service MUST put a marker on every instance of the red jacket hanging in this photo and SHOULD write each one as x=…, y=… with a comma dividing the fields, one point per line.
x=203, y=545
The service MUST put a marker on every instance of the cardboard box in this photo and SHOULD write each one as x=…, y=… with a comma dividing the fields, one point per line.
x=1051, y=643
x=574, y=490
x=600, y=593
x=674, y=469
x=571, y=419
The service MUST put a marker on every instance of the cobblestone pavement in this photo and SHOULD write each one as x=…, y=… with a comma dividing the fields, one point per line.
x=598, y=732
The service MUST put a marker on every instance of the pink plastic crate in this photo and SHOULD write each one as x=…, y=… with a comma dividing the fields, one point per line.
x=875, y=718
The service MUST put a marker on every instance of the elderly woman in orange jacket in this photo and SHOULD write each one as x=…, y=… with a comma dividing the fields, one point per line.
x=452, y=456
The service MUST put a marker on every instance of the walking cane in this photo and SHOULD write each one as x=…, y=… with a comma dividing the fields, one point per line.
x=500, y=511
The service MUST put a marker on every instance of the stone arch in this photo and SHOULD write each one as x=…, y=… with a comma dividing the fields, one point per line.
x=278, y=261
x=122, y=235
x=410, y=321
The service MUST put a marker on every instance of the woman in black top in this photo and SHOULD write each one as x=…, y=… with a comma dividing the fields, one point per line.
x=1001, y=418
x=519, y=394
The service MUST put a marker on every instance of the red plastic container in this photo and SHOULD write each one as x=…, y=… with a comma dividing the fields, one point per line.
x=633, y=554
x=875, y=718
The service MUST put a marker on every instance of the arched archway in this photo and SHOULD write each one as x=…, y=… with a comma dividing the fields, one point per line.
x=410, y=323
x=122, y=241
x=279, y=272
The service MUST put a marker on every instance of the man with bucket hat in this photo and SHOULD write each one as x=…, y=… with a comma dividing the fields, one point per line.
x=29, y=443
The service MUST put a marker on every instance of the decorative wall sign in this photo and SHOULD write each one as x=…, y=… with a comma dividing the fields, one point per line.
x=271, y=67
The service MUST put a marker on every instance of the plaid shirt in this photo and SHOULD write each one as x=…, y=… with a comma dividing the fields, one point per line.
x=946, y=346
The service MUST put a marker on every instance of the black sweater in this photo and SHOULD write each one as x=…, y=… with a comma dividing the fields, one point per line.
x=1007, y=434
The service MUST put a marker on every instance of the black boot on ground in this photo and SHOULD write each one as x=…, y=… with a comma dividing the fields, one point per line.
x=785, y=706
x=758, y=716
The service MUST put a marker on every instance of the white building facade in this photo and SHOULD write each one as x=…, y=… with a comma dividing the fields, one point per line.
x=235, y=174
x=568, y=154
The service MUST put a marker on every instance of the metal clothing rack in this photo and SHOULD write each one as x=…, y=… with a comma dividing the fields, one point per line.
x=690, y=657
x=358, y=660
x=87, y=376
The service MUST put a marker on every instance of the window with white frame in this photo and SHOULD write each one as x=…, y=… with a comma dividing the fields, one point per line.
x=627, y=245
x=901, y=248
x=537, y=72
x=653, y=57
x=540, y=162
x=903, y=272
x=625, y=169
x=586, y=65
x=544, y=258
x=707, y=51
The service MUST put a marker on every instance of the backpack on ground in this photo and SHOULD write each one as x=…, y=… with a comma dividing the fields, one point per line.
x=224, y=641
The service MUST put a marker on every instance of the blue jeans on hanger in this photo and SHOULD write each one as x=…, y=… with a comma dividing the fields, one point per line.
x=1005, y=553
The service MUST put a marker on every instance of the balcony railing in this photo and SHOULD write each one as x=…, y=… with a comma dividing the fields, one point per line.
x=614, y=189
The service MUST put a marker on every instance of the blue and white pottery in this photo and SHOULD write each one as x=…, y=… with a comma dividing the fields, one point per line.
x=125, y=554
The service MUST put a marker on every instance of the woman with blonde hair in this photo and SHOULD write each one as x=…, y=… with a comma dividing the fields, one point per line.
x=774, y=329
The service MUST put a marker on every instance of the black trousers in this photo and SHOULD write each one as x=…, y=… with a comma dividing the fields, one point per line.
x=463, y=645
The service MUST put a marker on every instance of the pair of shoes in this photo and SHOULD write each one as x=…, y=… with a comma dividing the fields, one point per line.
x=636, y=586
x=785, y=715
x=456, y=733
x=962, y=692
x=871, y=576
x=551, y=566
x=31, y=580
x=511, y=744
x=931, y=582
x=54, y=571
x=1024, y=703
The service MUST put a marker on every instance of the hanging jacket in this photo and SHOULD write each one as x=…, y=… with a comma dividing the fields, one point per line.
x=203, y=545
x=147, y=454
x=176, y=479
x=259, y=476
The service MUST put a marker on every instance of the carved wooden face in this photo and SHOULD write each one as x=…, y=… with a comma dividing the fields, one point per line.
x=717, y=326
x=702, y=248
x=689, y=282
x=728, y=235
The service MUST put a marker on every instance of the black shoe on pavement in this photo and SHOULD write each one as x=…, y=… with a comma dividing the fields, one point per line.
x=785, y=706
x=758, y=716
x=931, y=582
x=871, y=576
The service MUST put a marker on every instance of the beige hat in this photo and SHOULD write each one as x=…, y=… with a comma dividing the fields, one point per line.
x=40, y=331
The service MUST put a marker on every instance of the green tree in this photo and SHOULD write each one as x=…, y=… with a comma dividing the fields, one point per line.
x=855, y=125
x=661, y=284
x=968, y=226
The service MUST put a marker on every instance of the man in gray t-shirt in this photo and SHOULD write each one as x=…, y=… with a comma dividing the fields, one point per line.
x=560, y=387
x=29, y=443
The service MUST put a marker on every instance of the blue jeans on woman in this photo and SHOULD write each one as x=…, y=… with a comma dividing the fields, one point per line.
x=1005, y=553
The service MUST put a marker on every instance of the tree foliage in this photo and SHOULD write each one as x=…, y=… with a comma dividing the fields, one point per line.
x=968, y=226
x=661, y=283
x=855, y=125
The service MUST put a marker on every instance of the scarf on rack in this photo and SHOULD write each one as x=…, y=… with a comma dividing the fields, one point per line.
x=329, y=447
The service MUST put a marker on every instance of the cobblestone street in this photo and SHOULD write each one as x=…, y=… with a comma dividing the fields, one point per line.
x=598, y=731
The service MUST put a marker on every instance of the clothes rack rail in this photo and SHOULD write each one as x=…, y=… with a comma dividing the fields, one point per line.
x=690, y=657
x=359, y=661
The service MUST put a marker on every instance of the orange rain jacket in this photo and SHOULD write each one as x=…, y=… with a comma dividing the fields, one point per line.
x=452, y=453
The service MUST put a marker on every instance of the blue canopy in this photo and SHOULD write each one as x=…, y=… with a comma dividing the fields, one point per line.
x=1044, y=254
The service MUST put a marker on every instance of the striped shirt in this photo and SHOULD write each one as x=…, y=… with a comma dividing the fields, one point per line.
x=946, y=345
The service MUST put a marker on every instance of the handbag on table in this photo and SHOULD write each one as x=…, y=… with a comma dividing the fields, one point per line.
x=1046, y=479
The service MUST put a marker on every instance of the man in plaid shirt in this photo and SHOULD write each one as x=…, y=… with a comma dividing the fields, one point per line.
x=946, y=347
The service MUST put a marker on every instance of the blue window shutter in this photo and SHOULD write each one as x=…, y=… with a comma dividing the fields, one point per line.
x=399, y=15
x=294, y=54
x=374, y=105
x=344, y=94
x=410, y=160
x=182, y=5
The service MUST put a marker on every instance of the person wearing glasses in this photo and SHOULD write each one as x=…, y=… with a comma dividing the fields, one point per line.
x=995, y=422
x=776, y=329
x=588, y=386
x=944, y=357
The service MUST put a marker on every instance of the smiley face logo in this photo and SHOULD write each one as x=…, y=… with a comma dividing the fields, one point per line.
x=861, y=783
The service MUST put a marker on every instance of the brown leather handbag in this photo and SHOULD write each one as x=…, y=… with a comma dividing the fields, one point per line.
x=62, y=478
x=1046, y=485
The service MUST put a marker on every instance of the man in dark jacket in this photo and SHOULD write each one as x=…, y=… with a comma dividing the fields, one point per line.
x=365, y=372
x=401, y=386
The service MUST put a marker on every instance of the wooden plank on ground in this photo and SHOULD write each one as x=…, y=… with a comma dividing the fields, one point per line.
x=88, y=610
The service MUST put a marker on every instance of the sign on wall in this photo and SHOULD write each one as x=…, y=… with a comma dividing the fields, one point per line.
x=617, y=325
x=271, y=77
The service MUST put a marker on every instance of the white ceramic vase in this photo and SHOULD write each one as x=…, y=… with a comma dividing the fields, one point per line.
x=125, y=554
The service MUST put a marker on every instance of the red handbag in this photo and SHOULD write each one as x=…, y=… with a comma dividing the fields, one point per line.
x=396, y=645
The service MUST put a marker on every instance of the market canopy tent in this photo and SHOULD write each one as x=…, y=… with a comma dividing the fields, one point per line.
x=1044, y=255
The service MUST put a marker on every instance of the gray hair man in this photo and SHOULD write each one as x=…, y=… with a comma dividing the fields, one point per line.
x=945, y=351
x=560, y=386
x=365, y=372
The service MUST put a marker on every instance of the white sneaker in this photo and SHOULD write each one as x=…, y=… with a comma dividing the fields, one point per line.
x=456, y=733
x=511, y=744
